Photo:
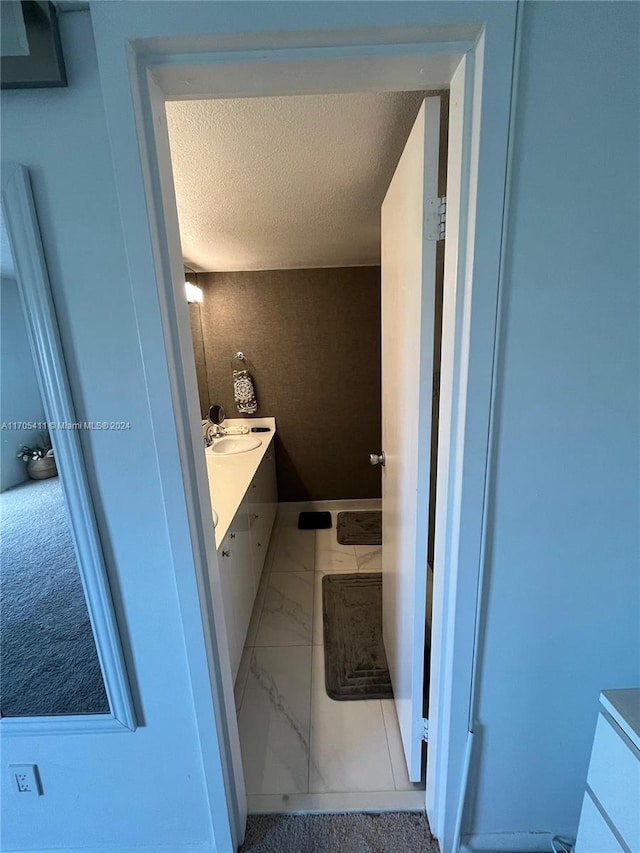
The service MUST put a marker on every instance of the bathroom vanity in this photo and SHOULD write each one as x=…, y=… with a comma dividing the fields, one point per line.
x=244, y=495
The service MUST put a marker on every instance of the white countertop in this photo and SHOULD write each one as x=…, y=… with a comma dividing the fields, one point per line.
x=624, y=707
x=230, y=476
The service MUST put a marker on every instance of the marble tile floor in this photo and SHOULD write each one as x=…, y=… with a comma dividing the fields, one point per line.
x=301, y=751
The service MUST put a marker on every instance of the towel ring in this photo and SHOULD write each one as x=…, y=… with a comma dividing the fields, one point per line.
x=239, y=356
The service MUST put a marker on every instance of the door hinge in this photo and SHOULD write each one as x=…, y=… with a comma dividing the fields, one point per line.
x=425, y=730
x=435, y=219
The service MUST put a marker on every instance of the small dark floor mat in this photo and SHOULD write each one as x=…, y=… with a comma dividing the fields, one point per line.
x=355, y=663
x=360, y=528
x=314, y=521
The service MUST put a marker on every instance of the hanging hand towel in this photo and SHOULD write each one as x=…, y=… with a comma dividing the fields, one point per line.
x=244, y=392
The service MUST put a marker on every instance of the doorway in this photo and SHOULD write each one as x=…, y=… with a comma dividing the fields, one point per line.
x=301, y=750
x=460, y=80
x=479, y=74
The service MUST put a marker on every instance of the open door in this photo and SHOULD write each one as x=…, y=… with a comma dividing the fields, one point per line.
x=410, y=229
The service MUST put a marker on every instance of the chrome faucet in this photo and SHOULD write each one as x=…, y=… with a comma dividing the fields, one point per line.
x=211, y=432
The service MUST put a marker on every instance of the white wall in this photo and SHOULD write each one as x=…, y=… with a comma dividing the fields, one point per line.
x=563, y=557
x=130, y=791
x=20, y=398
x=562, y=612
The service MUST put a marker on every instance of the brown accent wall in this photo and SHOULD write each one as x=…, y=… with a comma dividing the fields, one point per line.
x=312, y=340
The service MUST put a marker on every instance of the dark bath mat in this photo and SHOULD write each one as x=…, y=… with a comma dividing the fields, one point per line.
x=314, y=521
x=355, y=663
x=360, y=528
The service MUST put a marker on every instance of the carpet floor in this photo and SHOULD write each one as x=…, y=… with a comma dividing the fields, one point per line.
x=387, y=832
x=48, y=655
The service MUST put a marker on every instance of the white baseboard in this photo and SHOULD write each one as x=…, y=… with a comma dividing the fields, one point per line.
x=507, y=842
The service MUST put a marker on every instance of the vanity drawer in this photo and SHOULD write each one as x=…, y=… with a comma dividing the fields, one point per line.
x=614, y=778
x=594, y=834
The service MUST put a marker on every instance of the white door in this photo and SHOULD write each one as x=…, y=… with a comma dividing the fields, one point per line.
x=408, y=296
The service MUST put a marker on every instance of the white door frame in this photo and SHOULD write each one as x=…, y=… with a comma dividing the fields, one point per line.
x=183, y=65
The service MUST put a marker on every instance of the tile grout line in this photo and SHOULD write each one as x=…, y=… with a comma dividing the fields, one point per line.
x=386, y=734
x=246, y=681
x=273, y=546
x=265, y=577
x=281, y=575
x=324, y=802
x=293, y=572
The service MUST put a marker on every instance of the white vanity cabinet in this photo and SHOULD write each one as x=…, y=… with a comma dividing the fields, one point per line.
x=236, y=577
x=242, y=553
x=610, y=817
x=262, y=501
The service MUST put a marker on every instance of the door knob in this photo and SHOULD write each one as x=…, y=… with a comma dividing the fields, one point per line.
x=377, y=458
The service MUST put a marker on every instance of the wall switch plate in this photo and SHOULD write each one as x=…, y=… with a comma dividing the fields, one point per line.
x=25, y=779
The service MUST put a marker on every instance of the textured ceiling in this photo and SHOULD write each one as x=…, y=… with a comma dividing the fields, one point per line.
x=289, y=182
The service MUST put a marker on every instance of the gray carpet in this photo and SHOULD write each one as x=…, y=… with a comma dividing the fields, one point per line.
x=48, y=657
x=360, y=528
x=355, y=663
x=387, y=832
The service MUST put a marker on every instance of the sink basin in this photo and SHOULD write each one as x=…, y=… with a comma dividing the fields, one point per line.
x=228, y=446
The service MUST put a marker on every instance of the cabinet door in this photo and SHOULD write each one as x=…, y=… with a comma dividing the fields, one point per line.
x=238, y=591
x=226, y=561
x=262, y=498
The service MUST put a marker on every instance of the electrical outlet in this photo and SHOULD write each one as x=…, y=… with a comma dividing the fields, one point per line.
x=25, y=779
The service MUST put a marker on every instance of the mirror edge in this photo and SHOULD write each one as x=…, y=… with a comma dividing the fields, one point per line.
x=35, y=295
